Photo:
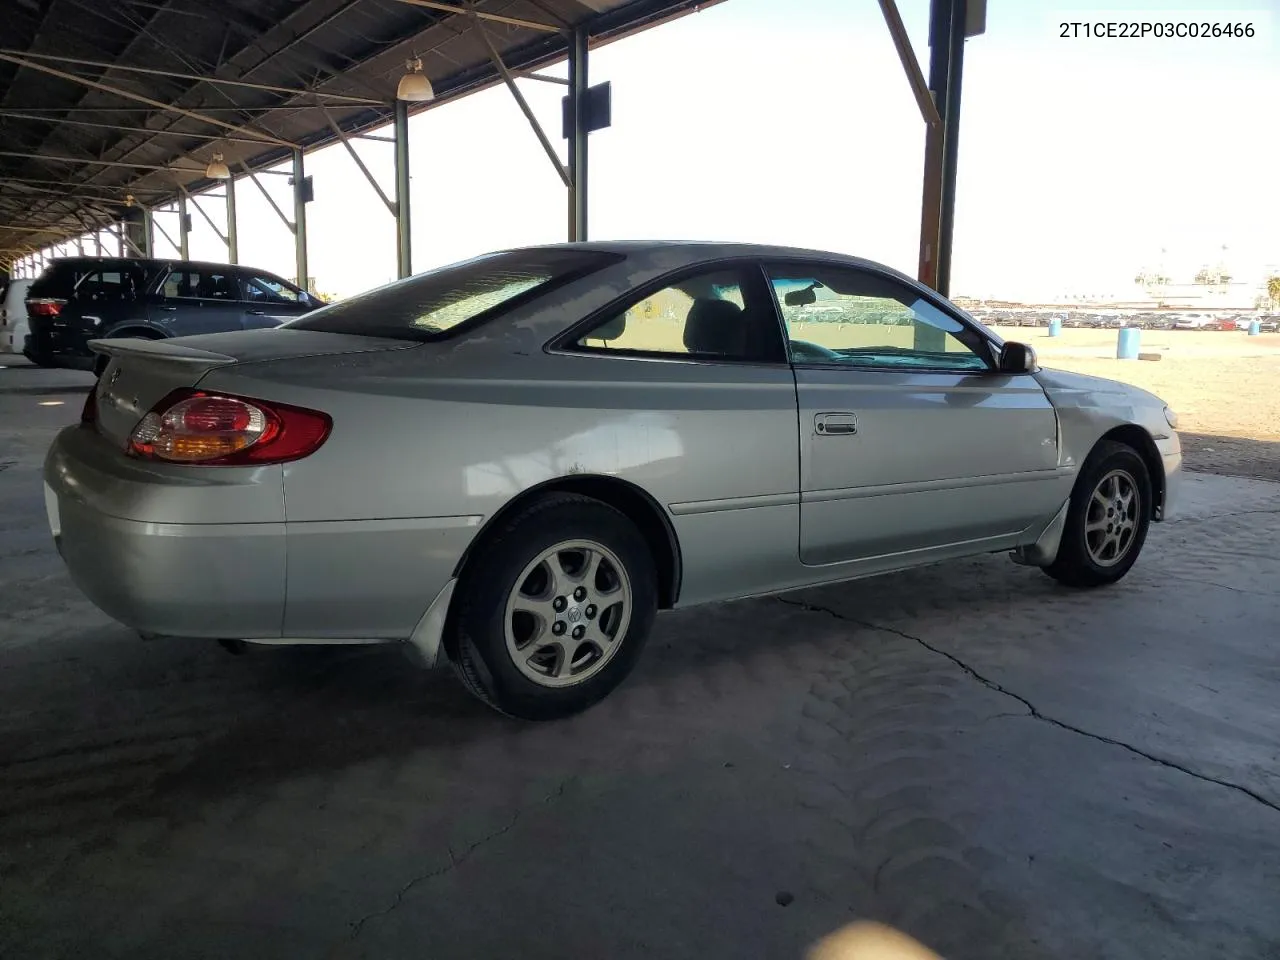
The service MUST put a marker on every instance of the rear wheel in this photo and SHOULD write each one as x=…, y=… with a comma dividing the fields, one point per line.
x=1107, y=520
x=554, y=610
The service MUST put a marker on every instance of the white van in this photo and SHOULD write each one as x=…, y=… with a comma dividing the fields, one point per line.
x=13, y=316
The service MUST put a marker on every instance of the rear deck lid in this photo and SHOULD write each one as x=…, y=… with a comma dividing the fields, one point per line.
x=143, y=372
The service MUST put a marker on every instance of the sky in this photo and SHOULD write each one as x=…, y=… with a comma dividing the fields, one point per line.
x=1081, y=159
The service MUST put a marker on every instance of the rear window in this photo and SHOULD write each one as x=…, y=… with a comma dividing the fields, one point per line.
x=436, y=304
x=59, y=280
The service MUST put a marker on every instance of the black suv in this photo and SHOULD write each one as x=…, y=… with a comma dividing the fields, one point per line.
x=78, y=299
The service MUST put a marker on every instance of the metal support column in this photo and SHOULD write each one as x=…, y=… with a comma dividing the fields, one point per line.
x=233, y=233
x=148, y=232
x=300, y=220
x=184, y=250
x=937, y=217
x=404, y=250
x=951, y=145
x=578, y=135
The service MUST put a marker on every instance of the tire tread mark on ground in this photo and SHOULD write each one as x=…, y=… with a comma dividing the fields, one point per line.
x=456, y=859
x=1032, y=711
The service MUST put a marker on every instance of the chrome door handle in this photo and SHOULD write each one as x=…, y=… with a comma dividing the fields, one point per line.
x=170, y=309
x=257, y=313
x=835, y=424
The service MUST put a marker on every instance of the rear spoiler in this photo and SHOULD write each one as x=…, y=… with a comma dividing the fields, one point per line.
x=160, y=350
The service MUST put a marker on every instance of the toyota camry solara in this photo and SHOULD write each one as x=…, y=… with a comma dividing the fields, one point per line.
x=515, y=461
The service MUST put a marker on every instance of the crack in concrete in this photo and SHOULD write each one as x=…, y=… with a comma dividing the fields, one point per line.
x=1271, y=511
x=1214, y=583
x=455, y=859
x=1032, y=710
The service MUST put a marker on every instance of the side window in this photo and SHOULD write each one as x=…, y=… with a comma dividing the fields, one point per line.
x=844, y=316
x=718, y=315
x=258, y=287
x=200, y=284
x=107, y=286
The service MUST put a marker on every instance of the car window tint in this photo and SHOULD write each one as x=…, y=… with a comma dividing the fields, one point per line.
x=433, y=304
x=202, y=284
x=844, y=316
x=107, y=286
x=59, y=279
x=258, y=287
x=708, y=315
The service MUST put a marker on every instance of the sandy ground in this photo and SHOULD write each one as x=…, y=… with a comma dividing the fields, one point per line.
x=1224, y=386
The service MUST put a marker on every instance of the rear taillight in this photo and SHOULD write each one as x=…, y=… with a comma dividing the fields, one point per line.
x=212, y=429
x=45, y=307
x=89, y=413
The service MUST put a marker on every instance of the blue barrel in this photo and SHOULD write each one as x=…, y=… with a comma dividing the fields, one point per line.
x=1127, y=343
x=1255, y=328
x=1055, y=327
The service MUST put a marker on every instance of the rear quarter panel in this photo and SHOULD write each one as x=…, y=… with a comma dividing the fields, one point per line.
x=429, y=443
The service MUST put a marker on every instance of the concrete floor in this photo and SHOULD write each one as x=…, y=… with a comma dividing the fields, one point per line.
x=1001, y=767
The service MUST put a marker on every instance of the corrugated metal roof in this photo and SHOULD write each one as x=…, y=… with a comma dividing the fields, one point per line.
x=83, y=122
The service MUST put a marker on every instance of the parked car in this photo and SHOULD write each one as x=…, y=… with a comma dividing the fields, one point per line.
x=518, y=459
x=77, y=299
x=13, y=315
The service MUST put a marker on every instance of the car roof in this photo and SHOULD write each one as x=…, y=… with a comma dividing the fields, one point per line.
x=700, y=250
x=153, y=262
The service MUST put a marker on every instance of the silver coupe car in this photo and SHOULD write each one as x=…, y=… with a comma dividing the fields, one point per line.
x=515, y=461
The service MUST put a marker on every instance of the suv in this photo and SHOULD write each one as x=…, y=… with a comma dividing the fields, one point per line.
x=78, y=299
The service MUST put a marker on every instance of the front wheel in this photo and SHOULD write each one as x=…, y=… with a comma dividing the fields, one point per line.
x=1107, y=520
x=554, y=610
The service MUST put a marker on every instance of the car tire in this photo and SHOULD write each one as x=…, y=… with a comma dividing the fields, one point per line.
x=1107, y=519
x=555, y=608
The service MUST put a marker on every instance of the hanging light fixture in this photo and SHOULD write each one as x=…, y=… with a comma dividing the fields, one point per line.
x=414, y=85
x=217, y=170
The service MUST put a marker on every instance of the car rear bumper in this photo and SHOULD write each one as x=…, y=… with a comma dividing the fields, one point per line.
x=57, y=347
x=127, y=531
x=113, y=522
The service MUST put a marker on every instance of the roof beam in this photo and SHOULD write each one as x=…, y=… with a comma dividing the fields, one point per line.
x=494, y=17
x=16, y=115
x=5, y=178
x=523, y=104
x=95, y=163
x=191, y=201
x=390, y=204
x=269, y=88
x=128, y=95
x=910, y=65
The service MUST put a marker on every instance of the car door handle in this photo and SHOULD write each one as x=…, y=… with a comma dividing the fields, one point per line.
x=169, y=309
x=257, y=313
x=835, y=424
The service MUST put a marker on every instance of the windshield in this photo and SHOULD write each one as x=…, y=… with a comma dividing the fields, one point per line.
x=434, y=304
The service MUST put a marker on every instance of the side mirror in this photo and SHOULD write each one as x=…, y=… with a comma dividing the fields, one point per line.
x=1017, y=358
